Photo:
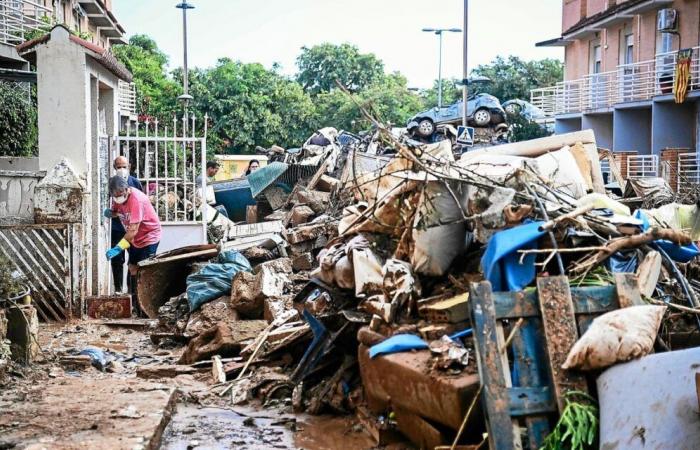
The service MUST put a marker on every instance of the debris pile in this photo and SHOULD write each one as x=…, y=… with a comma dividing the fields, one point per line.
x=354, y=291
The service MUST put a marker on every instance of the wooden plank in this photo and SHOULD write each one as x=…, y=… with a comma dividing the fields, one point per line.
x=559, y=323
x=317, y=176
x=251, y=214
x=587, y=300
x=491, y=371
x=627, y=289
x=529, y=401
x=531, y=366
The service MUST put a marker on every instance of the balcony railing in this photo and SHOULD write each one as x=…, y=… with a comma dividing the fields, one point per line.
x=127, y=98
x=18, y=18
x=627, y=83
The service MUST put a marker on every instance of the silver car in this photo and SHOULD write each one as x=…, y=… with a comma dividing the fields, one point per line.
x=483, y=110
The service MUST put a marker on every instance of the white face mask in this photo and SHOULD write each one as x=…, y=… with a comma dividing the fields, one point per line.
x=121, y=199
x=123, y=172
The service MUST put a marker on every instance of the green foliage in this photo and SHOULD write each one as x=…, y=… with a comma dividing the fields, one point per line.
x=451, y=93
x=249, y=105
x=48, y=22
x=321, y=65
x=514, y=78
x=522, y=129
x=388, y=99
x=577, y=427
x=9, y=286
x=156, y=92
x=18, y=121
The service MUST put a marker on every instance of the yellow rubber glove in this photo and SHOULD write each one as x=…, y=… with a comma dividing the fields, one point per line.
x=123, y=244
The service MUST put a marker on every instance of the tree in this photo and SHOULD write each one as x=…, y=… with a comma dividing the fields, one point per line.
x=387, y=99
x=514, y=78
x=451, y=92
x=18, y=121
x=249, y=105
x=320, y=66
x=523, y=129
x=156, y=91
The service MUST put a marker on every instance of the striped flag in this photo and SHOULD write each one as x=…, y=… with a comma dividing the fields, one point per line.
x=680, y=84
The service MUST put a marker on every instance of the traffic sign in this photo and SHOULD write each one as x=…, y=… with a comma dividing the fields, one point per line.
x=465, y=136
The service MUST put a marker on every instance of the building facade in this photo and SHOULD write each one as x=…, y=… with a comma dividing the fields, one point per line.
x=621, y=61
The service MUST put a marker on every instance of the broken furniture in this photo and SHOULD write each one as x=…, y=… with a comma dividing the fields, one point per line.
x=552, y=318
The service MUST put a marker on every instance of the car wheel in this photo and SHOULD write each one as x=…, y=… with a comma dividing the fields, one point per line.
x=426, y=128
x=513, y=108
x=482, y=117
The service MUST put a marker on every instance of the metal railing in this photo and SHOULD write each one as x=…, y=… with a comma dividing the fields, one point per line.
x=627, y=83
x=688, y=172
x=127, y=98
x=18, y=18
x=642, y=166
x=167, y=160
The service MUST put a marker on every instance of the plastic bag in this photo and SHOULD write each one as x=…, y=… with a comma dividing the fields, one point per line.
x=214, y=280
x=617, y=336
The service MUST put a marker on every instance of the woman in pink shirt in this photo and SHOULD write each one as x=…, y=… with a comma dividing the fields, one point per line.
x=134, y=210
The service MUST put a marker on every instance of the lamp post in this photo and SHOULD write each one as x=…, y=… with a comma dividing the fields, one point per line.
x=465, y=70
x=185, y=97
x=439, y=32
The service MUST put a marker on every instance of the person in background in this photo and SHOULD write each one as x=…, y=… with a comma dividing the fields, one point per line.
x=253, y=165
x=212, y=170
x=122, y=169
x=143, y=231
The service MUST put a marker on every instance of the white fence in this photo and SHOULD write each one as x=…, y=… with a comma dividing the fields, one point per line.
x=688, y=171
x=20, y=17
x=642, y=166
x=627, y=83
x=127, y=98
x=167, y=160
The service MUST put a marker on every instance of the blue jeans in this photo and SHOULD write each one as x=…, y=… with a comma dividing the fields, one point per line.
x=136, y=254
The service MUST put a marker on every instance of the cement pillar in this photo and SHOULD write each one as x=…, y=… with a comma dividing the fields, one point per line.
x=673, y=126
x=568, y=125
x=602, y=126
x=632, y=130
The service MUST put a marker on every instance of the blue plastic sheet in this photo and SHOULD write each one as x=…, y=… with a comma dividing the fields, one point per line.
x=501, y=260
x=679, y=253
x=396, y=344
x=623, y=262
x=214, y=280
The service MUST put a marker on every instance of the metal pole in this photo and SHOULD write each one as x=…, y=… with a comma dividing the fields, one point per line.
x=465, y=70
x=439, y=33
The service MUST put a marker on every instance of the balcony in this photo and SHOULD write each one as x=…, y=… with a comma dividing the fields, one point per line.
x=628, y=83
x=19, y=18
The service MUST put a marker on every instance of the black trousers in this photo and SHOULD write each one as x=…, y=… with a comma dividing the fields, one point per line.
x=118, y=261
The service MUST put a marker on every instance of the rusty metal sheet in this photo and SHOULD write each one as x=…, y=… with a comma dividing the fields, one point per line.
x=46, y=255
x=109, y=307
x=165, y=276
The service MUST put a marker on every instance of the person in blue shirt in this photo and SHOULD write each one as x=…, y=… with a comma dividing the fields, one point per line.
x=121, y=168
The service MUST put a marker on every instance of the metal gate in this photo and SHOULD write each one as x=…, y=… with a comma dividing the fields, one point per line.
x=688, y=172
x=642, y=166
x=48, y=258
x=168, y=159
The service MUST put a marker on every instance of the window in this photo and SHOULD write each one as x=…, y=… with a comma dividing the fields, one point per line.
x=596, y=59
x=665, y=43
x=629, y=49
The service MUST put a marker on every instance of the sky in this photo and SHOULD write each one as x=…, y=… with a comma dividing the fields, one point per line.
x=273, y=31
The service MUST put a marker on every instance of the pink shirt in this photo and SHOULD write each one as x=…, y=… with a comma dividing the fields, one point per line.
x=138, y=209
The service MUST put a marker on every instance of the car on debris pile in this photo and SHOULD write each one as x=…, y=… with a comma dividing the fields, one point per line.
x=483, y=110
x=525, y=109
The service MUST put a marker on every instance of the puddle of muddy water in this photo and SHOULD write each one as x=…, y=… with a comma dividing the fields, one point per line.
x=192, y=427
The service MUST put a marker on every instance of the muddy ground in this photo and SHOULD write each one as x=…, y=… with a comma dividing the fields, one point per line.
x=59, y=402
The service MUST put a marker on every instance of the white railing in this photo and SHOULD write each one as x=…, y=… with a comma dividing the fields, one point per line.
x=642, y=166
x=20, y=17
x=545, y=99
x=688, y=171
x=627, y=83
x=127, y=98
x=167, y=160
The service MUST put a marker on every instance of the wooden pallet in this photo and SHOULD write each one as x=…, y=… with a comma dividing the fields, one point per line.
x=524, y=385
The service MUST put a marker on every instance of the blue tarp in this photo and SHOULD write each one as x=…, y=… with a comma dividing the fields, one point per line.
x=678, y=253
x=396, y=344
x=214, y=280
x=501, y=261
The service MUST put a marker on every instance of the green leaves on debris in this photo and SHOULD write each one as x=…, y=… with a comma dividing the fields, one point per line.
x=577, y=428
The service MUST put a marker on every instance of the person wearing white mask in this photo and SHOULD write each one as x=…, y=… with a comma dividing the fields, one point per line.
x=121, y=168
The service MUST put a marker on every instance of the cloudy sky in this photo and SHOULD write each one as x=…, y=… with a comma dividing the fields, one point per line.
x=273, y=31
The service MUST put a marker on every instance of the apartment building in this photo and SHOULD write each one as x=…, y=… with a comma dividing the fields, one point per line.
x=93, y=20
x=620, y=64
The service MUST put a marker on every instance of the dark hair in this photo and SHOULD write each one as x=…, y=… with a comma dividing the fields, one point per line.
x=247, y=172
x=212, y=165
x=116, y=184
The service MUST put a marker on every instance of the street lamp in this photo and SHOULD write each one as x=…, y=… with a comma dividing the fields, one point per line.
x=185, y=97
x=465, y=70
x=439, y=32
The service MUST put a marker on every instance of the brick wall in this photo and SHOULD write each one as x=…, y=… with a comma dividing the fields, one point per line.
x=670, y=156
